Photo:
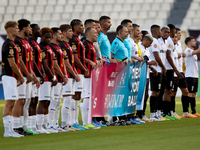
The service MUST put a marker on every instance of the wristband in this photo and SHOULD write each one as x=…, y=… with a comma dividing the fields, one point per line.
x=54, y=78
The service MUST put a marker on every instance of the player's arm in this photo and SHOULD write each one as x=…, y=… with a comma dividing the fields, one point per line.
x=159, y=61
x=88, y=60
x=155, y=73
x=196, y=51
x=59, y=72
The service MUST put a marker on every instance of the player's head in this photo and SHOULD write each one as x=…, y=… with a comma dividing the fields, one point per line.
x=136, y=30
x=57, y=34
x=91, y=34
x=97, y=26
x=175, y=39
x=178, y=32
x=155, y=30
x=122, y=32
x=89, y=23
x=46, y=35
x=105, y=22
x=24, y=26
x=172, y=30
x=127, y=23
x=144, y=32
x=165, y=32
x=190, y=42
x=147, y=40
x=77, y=26
x=36, y=30
x=66, y=29
x=12, y=28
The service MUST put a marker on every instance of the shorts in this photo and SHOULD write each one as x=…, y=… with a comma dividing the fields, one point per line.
x=175, y=85
x=79, y=86
x=24, y=90
x=68, y=89
x=10, y=89
x=169, y=79
x=46, y=91
x=87, y=88
x=192, y=84
x=58, y=90
x=35, y=91
x=182, y=82
x=155, y=82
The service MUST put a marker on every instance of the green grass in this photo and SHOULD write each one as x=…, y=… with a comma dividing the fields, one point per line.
x=168, y=135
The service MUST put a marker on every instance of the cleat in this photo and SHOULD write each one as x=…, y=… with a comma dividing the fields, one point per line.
x=99, y=124
x=30, y=131
x=188, y=115
x=128, y=123
x=115, y=123
x=69, y=129
x=135, y=121
x=146, y=119
x=104, y=123
x=175, y=118
x=82, y=127
x=59, y=129
x=169, y=117
x=155, y=118
x=77, y=127
x=12, y=134
x=51, y=130
x=163, y=118
x=196, y=114
x=176, y=115
x=22, y=132
x=91, y=126
x=43, y=131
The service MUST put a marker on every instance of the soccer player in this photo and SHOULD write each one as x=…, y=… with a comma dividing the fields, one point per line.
x=39, y=72
x=11, y=76
x=20, y=110
x=88, y=23
x=155, y=81
x=79, y=59
x=46, y=90
x=61, y=75
x=68, y=89
x=171, y=68
x=191, y=75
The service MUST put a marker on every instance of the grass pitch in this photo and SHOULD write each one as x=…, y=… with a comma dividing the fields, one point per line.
x=181, y=134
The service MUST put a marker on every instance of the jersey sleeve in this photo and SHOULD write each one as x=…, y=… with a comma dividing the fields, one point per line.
x=100, y=40
x=154, y=46
x=188, y=52
x=44, y=52
x=9, y=51
x=86, y=47
x=64, y=49
x=169, y=45
x=73, y=45
x=19, y=46
x=114, y=47
x=134, y=51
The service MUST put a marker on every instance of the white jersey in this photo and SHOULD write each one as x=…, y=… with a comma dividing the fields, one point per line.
x=134, y=51
x=155, y=47
x=145, y=52
x=163, y=49
x=170, y=47
x=175, y=54
x=180, y=60
x=191, y=64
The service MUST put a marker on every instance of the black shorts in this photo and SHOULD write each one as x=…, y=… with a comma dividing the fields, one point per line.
x=163, y=82
x=169, y=79
x=192, y=84
x=182, y=82
x=175, y=84
x=155, y=82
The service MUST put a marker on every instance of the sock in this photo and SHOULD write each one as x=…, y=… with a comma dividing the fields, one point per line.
x=168, y=108
x=16, y=122
x=25, y=113
x=81, y=107
x=185, y=103
x=159, y=112
x=76, y=112
x=33, y=123
x=57, y=114
x=11, y=123
x=193, y=104
x=165, y=108
x=6, y=122
x=172, y=105
x=85, y=111
x=21, y=121
x=52, y=108
x=153, y=104
x=29, y=122
x=40, y=120
x=66, y=112
x=73, y=108
x=153, y=115
x=46, y=120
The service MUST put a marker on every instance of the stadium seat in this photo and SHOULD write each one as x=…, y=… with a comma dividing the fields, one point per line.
x=191, y=14
x=133, y=15
x=13, y=2
x=28, y=16
x=1, y=19
x=43, y=2
x=114, y=15
x=108, y=8
x=2, y=10
x=123, y=15
x=49, y=9
x=110, y=2
x=146, y=7
x=85, y=16
x=137, y=7
x=196, y=22
x=4, y=2
x=162, y=14
x=72, y=2
x=53, y=24
x=17, y=17
x=30, y=9
x=194, y=6
x=23, y=2
x=39, y=9
x=59, y=9
x=46, y=17
x=10, y=10
x=117, y=7
x=20, y=10
x=61, y=2
x=7, y=17
x=149, y=1
x=169, y=1
x=152, y=14
x=166, y=7
x=95, y=15
x=51, y=2
x=127, y=7
x=88, y=8
x=75, y=15
x=78, y=8
x=32, y=2
x=43, y=24
x=81, y=2
x=119, y=2
x=135, y=1
x=155, y=7
x=37, y=17
x=142, y=15
x=98, y=8
x=55, y=17
x=91, y=1
x=100, y=1
x=68, y=8
x=66, y=16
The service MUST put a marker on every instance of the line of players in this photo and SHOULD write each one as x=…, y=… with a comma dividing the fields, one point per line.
x=60, y=67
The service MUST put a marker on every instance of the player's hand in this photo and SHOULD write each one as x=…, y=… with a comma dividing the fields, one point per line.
x=36, y=81
x=29, y=78
x=126, y=62
x=153, y=62
x=86, y=73
x=155, y=73
x=54, y=82
x=65, y=80
x=179, y=75
x=164, y=71
x=113, y=61
x=130, y=61
x=140, y=58
x=93, y=65
x=77, y=78
x=183, y=55
x=20, y=81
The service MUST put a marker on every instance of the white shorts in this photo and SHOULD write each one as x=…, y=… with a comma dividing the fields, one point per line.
x=87, y=88
x=68, y=89
x=79, y=86
x=24, y=90
x=10, y=89
x=58, y=90
x=35, y=91
x=46, y=91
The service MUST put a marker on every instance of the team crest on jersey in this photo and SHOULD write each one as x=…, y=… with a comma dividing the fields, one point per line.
x=11, y=52
x=188, y=50
x=170, y=45
x=19, y=49
x=65, y=53
x=43, y=54
x=155, y=45
x=73, y=47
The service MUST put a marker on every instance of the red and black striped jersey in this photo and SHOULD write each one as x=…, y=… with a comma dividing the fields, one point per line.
x=90, y=53
x=78, y=48
x=70, y=55
x=23, y=52
x=36, y=52
x=59, y=55
x=48, y=54
x=30, y=52
x=9, y=50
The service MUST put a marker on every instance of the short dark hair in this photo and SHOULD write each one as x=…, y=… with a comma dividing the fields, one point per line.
x=119, y=28
x=125, y=22
x=155, y=26
x=177, y=29
x=97, y=21
x=144, y=32
x=171, y=26
x=103, y=18
x=65, y=27
x=135, y=25
x=33, y=25
x=55, y=30
x=188, y=39
x=46, y=30
x=88, y=21
x=74, y=22
x=88, y=31
x=23, y=23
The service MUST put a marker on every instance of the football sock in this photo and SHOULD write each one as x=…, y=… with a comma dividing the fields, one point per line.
x=193, y=104
x=33, y=123
x=76, y=112
x=29, y=122
x=21, y=121
x=46, y=120
x=185, y=103
x=40, y=120
x=57, y=113
x=153, y=107
x=52, y=108
x=25, y=113
x=73, y=111
x=66, y=111
x=172, y=104
x=16, y=122
x=85, y=111
x=6, y=123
